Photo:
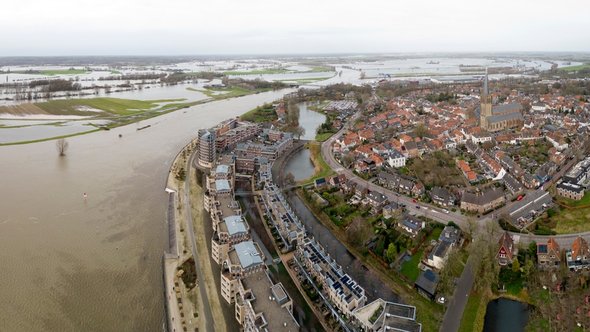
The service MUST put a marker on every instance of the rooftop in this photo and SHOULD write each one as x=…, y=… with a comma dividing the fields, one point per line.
x=247, y=254
x=266, y=302
x=234, y=225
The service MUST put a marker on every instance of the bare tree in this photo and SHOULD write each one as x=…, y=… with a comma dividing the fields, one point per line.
x=62, y=146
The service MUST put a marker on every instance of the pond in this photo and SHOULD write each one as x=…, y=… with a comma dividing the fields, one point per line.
x=300, y=165
x=506, y=316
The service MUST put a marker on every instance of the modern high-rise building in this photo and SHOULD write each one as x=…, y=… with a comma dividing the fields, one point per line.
x=206, y=146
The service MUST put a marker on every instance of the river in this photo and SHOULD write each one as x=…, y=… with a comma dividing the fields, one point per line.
x=70, y=264
x=505, y=315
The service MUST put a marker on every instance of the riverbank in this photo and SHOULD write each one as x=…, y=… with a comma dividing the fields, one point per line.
x=184, y=307
x=322, y=169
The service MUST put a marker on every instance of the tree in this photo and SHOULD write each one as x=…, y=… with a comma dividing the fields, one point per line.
x=515, y=266
x=290, y=179
x=62, y=146
x=420, y=130
x=391, y=252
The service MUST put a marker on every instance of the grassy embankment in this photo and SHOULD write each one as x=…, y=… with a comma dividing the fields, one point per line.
x=270, y=71
x=574, y=219
x=322, y=169
x=227, y=92
x=474, y=313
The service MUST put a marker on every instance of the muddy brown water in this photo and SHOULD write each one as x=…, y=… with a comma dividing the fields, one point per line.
x=75, y=264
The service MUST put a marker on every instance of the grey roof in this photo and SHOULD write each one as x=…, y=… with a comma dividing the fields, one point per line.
x=222, y=185
x=504, y=108
x=428, y=280
x=222, y=169
x=483, y=198
x=440, y=249
x=450, y=234
x=248, y=254
x=235, y=225
x=505, y=117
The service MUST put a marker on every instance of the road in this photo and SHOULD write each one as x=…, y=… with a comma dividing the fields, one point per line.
x=189, y=223
x=456, y=305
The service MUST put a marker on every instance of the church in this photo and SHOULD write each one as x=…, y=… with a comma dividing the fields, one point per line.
x=499, y=117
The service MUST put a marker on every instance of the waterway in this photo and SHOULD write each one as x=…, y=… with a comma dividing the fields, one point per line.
x=505, y=315
x=75, y=264
x=309, y=120
x=300, y=165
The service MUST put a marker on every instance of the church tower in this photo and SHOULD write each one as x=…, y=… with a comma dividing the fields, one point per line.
x=485, y=109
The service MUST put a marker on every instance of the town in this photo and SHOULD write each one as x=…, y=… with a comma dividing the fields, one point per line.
x=428, y=189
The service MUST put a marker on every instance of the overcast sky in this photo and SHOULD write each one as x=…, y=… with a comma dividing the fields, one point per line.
x=180, y=27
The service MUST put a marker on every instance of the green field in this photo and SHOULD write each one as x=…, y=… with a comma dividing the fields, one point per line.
x=573, y=220
x=265, y=113
x=111, y=105
x=53, y=72
x=264, y=71
x=575, y=68
x=229, y=92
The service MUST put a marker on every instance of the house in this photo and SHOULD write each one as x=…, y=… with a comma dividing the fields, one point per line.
x=483, y=201
x=320, y=183
x=506, y=250
x=579, y=256
x=448, y=238
x=377, y=201
x=389, y=210
x=412, y=226
x=426, y=284
x=442, y=196
x=548, y=254
x=512, y=183
x=396, y=159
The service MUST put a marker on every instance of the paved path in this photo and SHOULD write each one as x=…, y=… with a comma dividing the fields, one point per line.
x=456, y=305
x=189, y=228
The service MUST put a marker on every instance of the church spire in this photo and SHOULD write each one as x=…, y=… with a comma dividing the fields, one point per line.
x=485, y=84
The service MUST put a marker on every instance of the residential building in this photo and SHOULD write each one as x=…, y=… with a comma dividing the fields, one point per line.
x=578, y=257
x=548, y=254
x=206, y=148
x=426, y=284
x=382, y=316
x=482, y=202
x=506, y=250
x=345, y=293
x=411, y=225
x=442, y=196
x=244, y=259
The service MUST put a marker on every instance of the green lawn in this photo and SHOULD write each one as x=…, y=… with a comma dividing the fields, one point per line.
x=323, y=137
x=410, y=268
x=573, y=220
x=471, y=314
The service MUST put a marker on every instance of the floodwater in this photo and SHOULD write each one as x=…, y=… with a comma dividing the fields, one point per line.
x=75, y=264
x=505, y=315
